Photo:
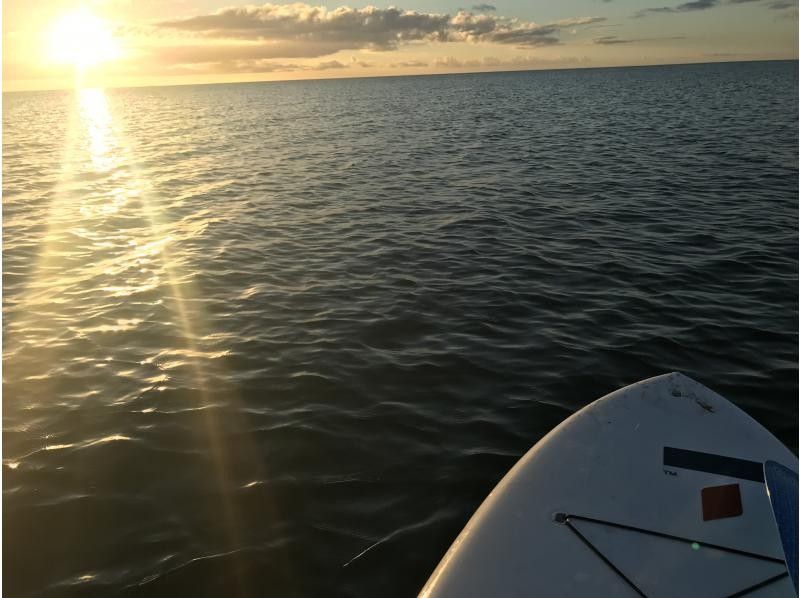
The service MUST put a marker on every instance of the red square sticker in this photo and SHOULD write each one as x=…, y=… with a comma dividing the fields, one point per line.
x=720, y=502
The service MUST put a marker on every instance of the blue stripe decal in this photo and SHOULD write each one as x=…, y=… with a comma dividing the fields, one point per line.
x=717, y=464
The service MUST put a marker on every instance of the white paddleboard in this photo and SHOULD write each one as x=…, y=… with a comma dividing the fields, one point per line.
x=654, y=490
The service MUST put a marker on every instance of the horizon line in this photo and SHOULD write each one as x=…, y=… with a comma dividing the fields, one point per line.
x=398, y=76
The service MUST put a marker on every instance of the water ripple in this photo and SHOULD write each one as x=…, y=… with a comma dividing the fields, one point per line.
x=257, y=331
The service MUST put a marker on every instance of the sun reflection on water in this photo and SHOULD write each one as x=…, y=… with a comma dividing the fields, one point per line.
x=109, y=250
x=97, y=118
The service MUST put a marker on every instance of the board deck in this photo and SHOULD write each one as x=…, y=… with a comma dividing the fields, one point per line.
x=654, y=490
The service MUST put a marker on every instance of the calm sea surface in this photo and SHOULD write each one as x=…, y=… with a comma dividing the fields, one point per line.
x=282, y=339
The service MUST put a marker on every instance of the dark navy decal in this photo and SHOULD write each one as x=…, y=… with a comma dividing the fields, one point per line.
x=710, y=463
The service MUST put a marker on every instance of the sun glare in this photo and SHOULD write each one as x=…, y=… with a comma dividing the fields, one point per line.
x=82, y=40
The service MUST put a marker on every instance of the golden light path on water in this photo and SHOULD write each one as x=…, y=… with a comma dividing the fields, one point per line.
x=128, y=260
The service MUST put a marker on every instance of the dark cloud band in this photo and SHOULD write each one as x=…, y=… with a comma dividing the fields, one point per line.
x=280, y=31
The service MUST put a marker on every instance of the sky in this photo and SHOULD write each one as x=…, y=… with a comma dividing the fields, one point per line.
x=55, y=44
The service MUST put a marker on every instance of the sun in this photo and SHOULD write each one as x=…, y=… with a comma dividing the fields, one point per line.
x=82, y=40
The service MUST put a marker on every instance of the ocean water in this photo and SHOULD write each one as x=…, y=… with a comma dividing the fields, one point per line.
x=283, y=338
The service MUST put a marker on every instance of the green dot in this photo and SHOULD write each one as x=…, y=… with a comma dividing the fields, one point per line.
x=695, y=546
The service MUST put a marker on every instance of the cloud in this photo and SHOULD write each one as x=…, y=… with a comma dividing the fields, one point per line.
x=300, y=30
x=369, y=27
x=252, y=66
x=356, y=62
x=692, y=6
x=696, y=5
x=777, y=5
x=331, y=64
x=518, y=62
x=577, y=22
x=786, y=5
x=409, y=64
x=453, y=62
x=222, y=52
x=484, y=7
x=466, y=26
x=611, y=40
x=469, y=27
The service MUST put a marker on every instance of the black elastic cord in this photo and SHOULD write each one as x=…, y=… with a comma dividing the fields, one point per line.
x=759, y=585
x=565, y=519
x=753, y=555
x=604, y=559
